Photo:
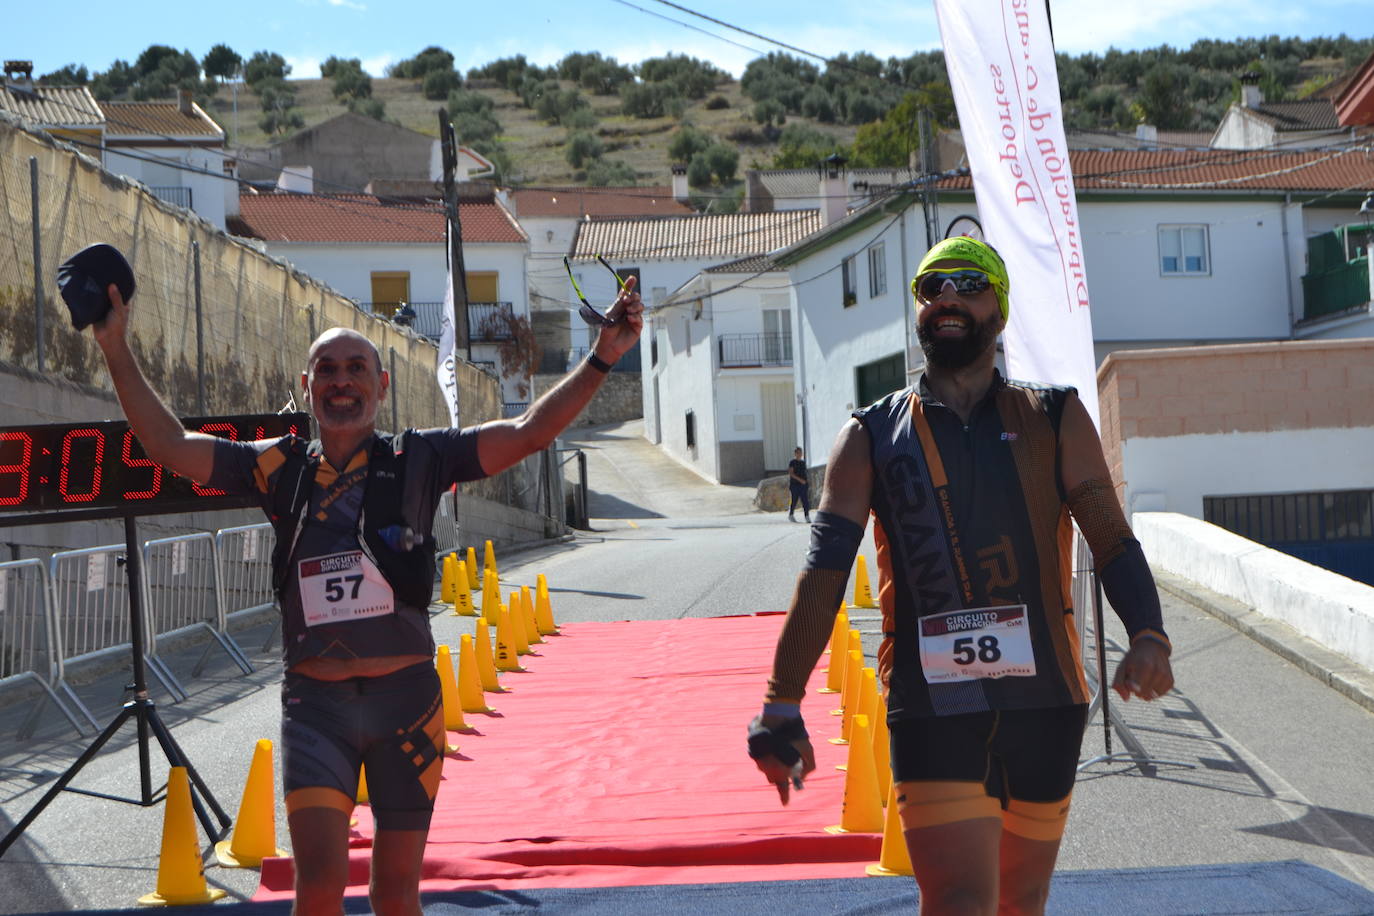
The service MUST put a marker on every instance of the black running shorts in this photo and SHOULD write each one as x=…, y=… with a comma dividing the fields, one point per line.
x=393, y=724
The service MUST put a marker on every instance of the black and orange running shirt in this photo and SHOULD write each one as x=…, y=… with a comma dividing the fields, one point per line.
x=974, y=550
x=328, y=552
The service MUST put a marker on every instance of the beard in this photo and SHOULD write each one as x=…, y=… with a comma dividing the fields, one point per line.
x=951, y=353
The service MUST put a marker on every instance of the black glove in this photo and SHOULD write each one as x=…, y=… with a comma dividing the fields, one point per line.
x=776, y=741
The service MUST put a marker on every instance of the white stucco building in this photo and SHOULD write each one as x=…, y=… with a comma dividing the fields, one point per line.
x=385, y=253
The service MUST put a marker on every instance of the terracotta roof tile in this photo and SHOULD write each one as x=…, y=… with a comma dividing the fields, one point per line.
x=53, y=106
x=137, y=120
x=606, y=202
x=360, y=218
x=1337, y=169
x=754, y=264
x=1305, y=114
x=713, y=235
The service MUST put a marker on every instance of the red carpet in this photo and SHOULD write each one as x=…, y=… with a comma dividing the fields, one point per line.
x=619, y=759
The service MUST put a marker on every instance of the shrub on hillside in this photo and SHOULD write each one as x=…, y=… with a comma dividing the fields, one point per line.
x=651, y=100
x=582, y=147
x=439, y=83
x=603, y=172
x=418, y=67
x=717, y=102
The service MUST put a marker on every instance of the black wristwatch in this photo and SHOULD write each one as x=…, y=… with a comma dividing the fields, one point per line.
x=597, y=363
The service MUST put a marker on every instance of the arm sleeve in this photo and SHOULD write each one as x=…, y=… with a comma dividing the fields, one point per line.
x=1118, y=559
x=805, y=632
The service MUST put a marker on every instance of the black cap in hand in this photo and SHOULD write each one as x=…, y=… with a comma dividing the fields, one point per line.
x=84, y=278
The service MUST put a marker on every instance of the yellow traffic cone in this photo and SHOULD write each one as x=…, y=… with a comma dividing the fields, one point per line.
x=855, y=645
x=863, y=594
x=180, y=876
x=507, y=656
x=531, y=620
x=867, y=704
x=543, y=611
x=446, y=580
x=882, y=748
x=489, y=560
x=863, y=807
x=448, y=687
x=469, y=681
x=462, y=595
x=491, y=599
x=255, y=829
x=853, y=680
x=471, y=561
x=895, y=859
x=486, y=663
x=362, y=797
x=517, y=624
x=839, y=638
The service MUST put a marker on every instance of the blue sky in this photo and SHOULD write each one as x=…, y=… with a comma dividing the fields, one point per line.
x=306, y=32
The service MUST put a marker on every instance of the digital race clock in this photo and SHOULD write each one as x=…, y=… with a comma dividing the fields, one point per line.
x=102, y=466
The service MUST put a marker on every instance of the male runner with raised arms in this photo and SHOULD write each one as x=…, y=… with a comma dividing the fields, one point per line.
x=354, y=572
x=971, y=480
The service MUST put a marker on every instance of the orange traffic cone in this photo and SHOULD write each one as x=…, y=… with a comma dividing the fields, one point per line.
x=180, y=877
x=453, y=707
x=446, y=590
x=863, y=807
x=362, y=797
x=854, y=641
x=895, y=859
x=489, y=560
x=486, y=663
x=491, y=598
x=531, y=620
x=866, y=704
x=255, y=829
x=839, y=634
x=469, y=681
x=507, y=656
x=882, y=748
x=517, y=624
x=863, y=593
x=853, y=678
x=543, y=611
x=462, y=594
x=471, y=561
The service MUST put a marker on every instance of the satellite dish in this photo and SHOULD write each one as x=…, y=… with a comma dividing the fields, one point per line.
x=965, y=225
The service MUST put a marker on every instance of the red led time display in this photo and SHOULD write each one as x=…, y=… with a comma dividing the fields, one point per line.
x=103, y=466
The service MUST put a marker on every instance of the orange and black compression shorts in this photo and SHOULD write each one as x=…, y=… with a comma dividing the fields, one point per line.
x=394, y=724
x=1019, y=765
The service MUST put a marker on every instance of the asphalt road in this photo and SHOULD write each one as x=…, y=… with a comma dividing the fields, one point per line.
x=1263, y=762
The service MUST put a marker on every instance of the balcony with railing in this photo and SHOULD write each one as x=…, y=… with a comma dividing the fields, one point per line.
x=744, y=351
x=1338, y=278
x=488, y=322
x=177, y=196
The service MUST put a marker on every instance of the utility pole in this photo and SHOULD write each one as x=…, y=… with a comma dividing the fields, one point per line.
x=457, y=271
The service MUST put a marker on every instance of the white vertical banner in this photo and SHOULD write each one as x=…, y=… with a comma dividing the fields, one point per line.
x=1001, y=65
x=446, y=369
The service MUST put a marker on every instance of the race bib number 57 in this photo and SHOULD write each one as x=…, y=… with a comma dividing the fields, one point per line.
x=975, y=643
x=342, y=587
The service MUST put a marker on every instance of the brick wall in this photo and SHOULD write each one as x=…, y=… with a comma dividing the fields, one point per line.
x=1260, y=387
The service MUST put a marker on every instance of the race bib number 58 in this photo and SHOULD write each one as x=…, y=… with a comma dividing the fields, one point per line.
x=975, y=643
x=342, y=587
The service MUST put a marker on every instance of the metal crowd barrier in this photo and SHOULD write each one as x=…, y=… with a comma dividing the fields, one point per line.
x=245, y=572
x=29, y=646
x=90, y=608
x=182, y=592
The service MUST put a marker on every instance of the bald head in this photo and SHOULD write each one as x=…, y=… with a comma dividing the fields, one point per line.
x=348, y=339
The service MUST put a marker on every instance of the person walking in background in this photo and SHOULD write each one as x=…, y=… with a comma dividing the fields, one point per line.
x=799, y=487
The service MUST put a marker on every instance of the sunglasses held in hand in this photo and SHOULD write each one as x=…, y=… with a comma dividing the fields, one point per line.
x=966, y=281
x=588, y=311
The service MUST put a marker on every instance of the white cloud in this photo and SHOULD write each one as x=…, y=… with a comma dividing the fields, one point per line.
x=348, y=4
x=376, y=66
x=305, y=67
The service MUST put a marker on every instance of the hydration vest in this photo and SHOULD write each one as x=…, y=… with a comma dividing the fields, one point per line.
x=394, y=494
